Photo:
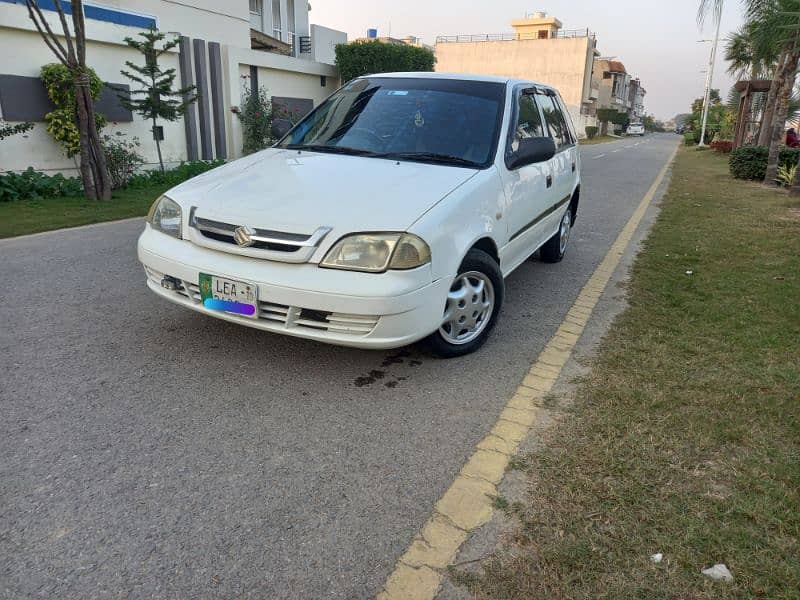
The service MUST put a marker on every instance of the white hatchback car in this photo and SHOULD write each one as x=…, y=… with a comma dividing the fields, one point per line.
x=389, y=214
x=636, y=129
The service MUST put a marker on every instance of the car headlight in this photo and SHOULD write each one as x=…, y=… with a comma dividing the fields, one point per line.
x=165, y=216
x=377, y=252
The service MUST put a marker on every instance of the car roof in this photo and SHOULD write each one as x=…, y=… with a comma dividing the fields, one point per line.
x=459, y=76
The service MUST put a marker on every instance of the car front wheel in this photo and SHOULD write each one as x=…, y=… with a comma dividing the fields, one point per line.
x=471, y=308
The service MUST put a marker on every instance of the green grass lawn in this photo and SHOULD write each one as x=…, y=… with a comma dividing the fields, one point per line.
x=685, y=437
x=20, y=217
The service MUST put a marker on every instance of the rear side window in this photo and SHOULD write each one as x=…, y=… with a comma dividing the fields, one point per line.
x=529, y=121
x=556, y=122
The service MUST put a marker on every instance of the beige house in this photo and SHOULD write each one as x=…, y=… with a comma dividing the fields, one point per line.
x=540, y=50
x=618, y=89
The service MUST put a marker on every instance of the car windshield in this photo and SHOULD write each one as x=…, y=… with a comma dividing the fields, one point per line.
x=445, y=121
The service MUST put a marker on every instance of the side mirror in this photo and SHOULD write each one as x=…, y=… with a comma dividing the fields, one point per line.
x=532, y=150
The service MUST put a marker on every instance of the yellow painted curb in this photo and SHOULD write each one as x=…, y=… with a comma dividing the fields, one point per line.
x=467, y=503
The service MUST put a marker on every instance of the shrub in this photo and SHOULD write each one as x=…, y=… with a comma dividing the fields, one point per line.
x=62, y=123
x=122, y=158
x=787, y=174
x=33, y=184
x=689, y=139
x=172, y=177
x=368, y=57
x=723, y=146
x=591, y=132
x=750, y=162
x=255, y=115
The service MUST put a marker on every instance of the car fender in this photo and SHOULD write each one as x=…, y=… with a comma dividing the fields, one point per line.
x=471, y=212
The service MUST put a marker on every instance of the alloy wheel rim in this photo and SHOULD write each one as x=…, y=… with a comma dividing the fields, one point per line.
x=566, y=227
x=469, y=307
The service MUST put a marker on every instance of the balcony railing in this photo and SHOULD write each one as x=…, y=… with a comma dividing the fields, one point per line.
x=510, y=37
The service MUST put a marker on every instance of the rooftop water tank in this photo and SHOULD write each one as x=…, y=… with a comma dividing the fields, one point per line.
x=372, y=33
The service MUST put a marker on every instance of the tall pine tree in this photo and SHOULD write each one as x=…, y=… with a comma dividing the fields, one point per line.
x=156, y=100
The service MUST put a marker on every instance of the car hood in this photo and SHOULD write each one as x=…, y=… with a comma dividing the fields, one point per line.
x=283, y=190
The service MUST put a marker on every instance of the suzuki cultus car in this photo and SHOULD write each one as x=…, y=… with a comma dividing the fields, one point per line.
x=389, y=214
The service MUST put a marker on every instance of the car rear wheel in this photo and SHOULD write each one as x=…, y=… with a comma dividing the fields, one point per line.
x=471, y=308
x=555, y=248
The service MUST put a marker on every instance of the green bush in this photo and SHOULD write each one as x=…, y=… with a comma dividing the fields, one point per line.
x=591, y=132
x=33, y=184
x=750, y=162
x=122, y=158
x=689, y=139
x=172, y=177
x=369, y=57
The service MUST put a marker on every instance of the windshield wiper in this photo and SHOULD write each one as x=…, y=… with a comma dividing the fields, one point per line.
x=447, y=159
x=331, y=149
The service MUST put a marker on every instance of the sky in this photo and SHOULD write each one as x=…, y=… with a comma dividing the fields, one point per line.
x=657, y=41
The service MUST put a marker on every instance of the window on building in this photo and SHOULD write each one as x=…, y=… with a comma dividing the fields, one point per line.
x=556, y=121
x=543, y=34
x=255, y=7
x=529, y=121
x=277, y=28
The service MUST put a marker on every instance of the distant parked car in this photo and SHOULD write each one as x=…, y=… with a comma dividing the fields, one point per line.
x=391, y=213
x=635, y=129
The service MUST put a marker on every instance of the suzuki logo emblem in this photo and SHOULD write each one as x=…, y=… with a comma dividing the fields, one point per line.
x=243, y=236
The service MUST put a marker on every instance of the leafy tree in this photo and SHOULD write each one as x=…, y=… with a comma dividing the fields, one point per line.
x=157, y=99
x=7, y=130
x=370, y=57
x=62, y=122
x=72, y=54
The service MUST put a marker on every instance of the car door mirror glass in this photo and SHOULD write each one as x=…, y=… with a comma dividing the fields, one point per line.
x=532, y=150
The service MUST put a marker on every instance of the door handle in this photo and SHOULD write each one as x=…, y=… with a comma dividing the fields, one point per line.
x=549, y=181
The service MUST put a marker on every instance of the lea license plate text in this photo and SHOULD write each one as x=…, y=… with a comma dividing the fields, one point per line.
x=229, y=295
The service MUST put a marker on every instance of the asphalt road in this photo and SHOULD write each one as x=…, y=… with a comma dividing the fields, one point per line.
x=148, y=451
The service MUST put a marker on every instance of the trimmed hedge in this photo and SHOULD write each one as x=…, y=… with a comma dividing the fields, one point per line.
x=591, y=132
x=172, y=177
x=750, y=162
x=369, y=57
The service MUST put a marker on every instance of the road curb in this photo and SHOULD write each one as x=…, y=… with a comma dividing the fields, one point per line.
x=468, y=502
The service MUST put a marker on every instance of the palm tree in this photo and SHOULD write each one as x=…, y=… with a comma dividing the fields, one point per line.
x=774, y=30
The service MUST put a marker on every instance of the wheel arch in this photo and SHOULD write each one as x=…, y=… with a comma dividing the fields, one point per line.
x=487, y=245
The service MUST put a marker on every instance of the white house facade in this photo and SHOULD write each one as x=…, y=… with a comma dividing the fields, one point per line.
x=224, y=48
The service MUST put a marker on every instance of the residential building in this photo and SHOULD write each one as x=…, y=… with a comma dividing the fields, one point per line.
x=538, y=49
x=618, y=90
x=224, y=48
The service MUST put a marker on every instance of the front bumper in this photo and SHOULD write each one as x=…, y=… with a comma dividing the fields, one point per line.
x=361, y=310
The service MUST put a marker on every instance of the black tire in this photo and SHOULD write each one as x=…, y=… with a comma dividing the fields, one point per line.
x=475, y=261
x=553, y=250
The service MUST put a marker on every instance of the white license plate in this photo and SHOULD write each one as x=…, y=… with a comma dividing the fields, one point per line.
x=229, y=295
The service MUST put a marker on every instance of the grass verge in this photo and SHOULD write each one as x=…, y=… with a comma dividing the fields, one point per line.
x=685, y=437
x=21, y=217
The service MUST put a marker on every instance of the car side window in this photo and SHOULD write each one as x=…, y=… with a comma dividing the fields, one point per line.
x=556, y=123
x=529, y=121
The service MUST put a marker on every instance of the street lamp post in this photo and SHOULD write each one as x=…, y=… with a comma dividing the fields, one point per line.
x=709, y=78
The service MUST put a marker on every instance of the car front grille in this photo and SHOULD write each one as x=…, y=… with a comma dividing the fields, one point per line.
x=263, y=243
x=281, y=316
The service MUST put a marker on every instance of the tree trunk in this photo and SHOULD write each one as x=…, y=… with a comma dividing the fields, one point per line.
x=777, y=135
x=158, y=146
x=87, y=172
x=765, y=130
